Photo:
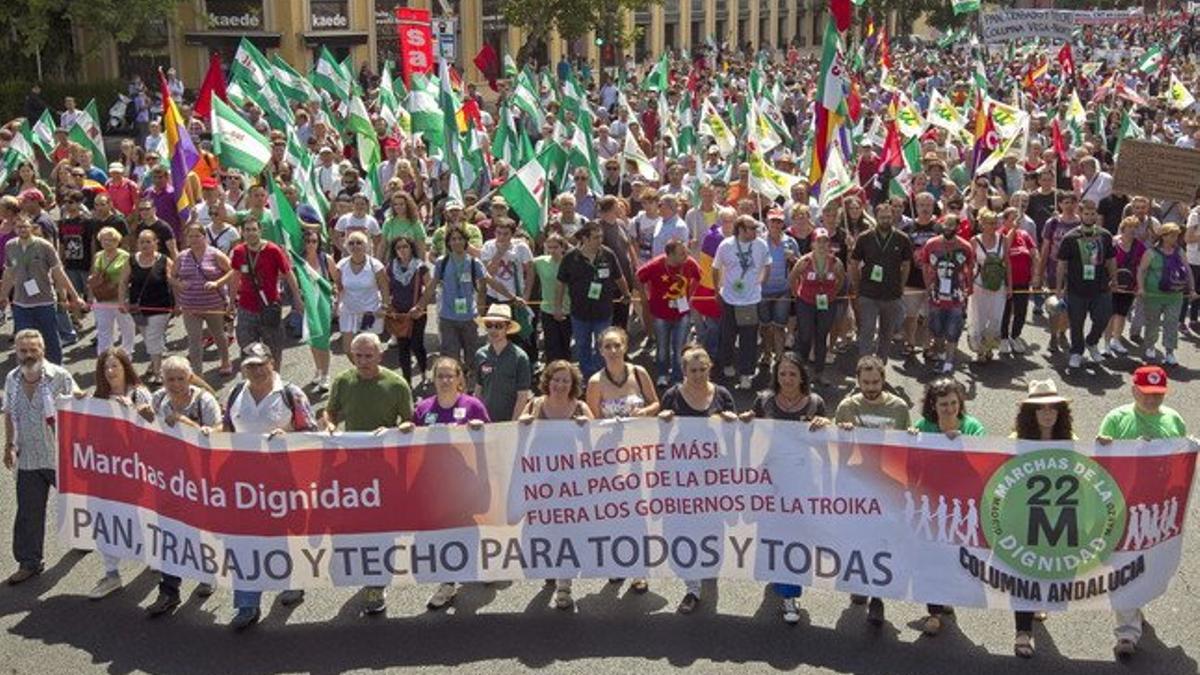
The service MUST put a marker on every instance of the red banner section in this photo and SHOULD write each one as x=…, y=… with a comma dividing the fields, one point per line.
x=416, y=42
x=296, y=492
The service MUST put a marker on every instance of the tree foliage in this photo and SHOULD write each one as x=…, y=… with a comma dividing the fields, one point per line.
x=573, y=19
x=29, y=28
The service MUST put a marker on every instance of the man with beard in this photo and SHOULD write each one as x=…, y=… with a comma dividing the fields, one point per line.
x=31, y=446
x=916, y=301
x=879, y=266
x=872, y=407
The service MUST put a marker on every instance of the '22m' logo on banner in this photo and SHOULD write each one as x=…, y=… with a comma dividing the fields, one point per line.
x=1053, y=514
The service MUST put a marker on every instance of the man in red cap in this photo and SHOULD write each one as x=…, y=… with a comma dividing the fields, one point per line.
x=1146, y=419
x=392, y=157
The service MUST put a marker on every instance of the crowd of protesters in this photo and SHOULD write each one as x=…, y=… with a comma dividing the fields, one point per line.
x=698, y=267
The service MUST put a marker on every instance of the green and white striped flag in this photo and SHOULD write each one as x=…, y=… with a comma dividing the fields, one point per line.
x=358, y=121
x=329, y=76
x=526, y=192
x=294, y=86
x=390, y=109
x=525, y=97
x=633, y=153
x=254, y=71
x=1152, y=61
x=43, y=133
x=86, y=132
x=836, y=180
x=235, y=142
x=426, y=116
x=22, y=143
x=964, y=6
x=316, y=293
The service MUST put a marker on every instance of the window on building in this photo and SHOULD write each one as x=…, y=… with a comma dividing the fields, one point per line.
x=670, y=31
x=326, y=15
x=387, y=44
x=233, y=15
x=148, y=51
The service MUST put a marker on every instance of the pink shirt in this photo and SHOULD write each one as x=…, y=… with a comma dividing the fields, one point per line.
x=123, y=195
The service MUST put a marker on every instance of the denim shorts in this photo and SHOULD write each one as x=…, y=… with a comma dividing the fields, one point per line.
x=947, y=322
x=775, y=309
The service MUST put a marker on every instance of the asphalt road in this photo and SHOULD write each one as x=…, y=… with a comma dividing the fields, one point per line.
x=49, y=626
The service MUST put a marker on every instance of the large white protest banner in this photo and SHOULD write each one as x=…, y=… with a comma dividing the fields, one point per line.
x=982, y=522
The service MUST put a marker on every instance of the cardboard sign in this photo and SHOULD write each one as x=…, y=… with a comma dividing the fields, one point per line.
x=1157, y=170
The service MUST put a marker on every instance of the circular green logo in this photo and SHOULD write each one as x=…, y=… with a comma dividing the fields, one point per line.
x=1053, y=514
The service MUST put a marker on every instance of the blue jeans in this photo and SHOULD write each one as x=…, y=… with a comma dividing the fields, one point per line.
x=586, y=334
x=669, y=337
x=44, y=320
x=787, y=590
x=708, y=331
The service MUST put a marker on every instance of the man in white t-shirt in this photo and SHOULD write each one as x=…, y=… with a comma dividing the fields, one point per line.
x=641, y=229
x=670, y=226
x=739, y=269
x=358, y=220
x=507, y=261
x=1093, y=183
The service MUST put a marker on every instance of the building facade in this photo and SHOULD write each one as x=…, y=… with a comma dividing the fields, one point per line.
x=366, y=31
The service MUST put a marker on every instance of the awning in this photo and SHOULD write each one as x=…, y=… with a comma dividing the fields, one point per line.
x=218, y=39
x=335, y=38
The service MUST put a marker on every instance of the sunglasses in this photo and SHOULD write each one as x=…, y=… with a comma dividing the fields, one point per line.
x=311, y=240
x=494, y=325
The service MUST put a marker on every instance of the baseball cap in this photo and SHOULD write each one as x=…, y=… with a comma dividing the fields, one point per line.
x=209, y=183
x=33, y=195
x=452, y=204
x=1150, y=380
x=255, y=353
x=116, y=167
x=775, y=214
x=308, y=214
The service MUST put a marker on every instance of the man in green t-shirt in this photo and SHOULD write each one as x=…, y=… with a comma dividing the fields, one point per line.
x=872, y=407
x=369, y=398
x=503, y=376
x=1146, y=419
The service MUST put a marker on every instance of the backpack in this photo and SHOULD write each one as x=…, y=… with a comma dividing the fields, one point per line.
x=299, y=422
x=1175, y=273
x=992, y=273
x=445, y=260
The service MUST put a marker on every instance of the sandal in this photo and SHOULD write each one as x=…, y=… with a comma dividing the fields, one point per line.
x=1023, y=647
x=639, y=586
x=931, y=625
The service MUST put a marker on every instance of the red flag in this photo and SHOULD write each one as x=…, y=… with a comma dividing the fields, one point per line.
x=842, y=13
x=1067, y=60
x=489, y=64
x=893, y=154
x=854, y=101
x=885, y=50
x=214, y=83
x=1060, y=143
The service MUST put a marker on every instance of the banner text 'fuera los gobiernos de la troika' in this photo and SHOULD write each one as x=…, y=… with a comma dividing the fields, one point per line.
x=971, y=522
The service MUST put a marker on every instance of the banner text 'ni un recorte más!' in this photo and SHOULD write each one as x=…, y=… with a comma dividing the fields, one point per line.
x=980, y=522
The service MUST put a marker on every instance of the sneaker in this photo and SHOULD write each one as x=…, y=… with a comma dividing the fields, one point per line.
x=1093, y=353
x=947, y=367
x=931, y=625
x=746, y=382
x=1125, y=648
x=1151, y=354
x=791, y=611
x=1075, y=361
x=376, y=600
x=1115, y=346
x=323, y=385
x=729, y=371
x=291, y=598
x=443, y=596
x=1135, y=338
x=205, y=590
x=562, y=599
x=662, y=381
x=163, y=604
x=1185, y=330
x=244, y=618
x=856, y=599
x=1006, y=347
x=1055, y=344
x=1170, y=360
x=110, y=584
x=688, y=604
x=1105, y=351
x=831, y=358
x=1020, y=346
